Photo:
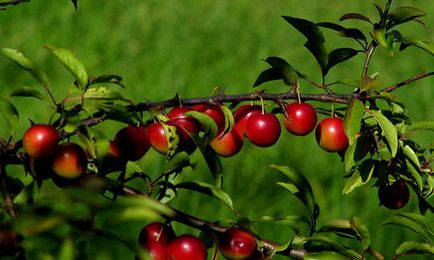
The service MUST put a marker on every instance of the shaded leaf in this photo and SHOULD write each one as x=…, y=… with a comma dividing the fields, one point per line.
x=389, y=131
x=209, y=190
x=287, y=72
x=114, y=79
x=417, y=223
x=267, y=75
x=22, y=61
x=71, y=63
x=403, y=14
x=178, y=161
x=140, y=207
x=319, y=51
x=353, y=33
x=309, y=29
x=424, y=45
x=361, y=176
x=327, y=242
x=339, y=55
x=208, y=125
x=332, y=26
x=291, y=221
x=28, y=92
x=10, y=113
x=355, y=16
x=411, y=247
x=352, y=119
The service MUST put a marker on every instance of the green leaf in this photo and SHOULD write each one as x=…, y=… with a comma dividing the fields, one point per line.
x=267, y=75
x=411, y=155
x=28, y=92
x=102, y=93
x=71, y=63
x=422, y=125
x=411, y=247
x=140, y=207
x=379, y=36
x=132, y=168
x=414, y=174
x=178, y=161
x=352, y=119
x=319, y=51
x=114, y=79
x=354, y=229
x=403, y=14
x=353, y=33
x=297, y=184
x=309, y=29
x=417, y=223
x=323, y=240
x=10, y=114
x=325, y=255
x=355, y=16
x=293, y=221
x=229, y=118
x=361, y=176
x=424, y=45
x=389, y=131
x=209, y=190
x=67, y=249
x=287, y=72
x=209, y=126
x=340, y=55
x=75, y=3
x=22, y=61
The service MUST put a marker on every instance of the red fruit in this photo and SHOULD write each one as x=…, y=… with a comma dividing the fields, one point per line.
x=237, y=243
x=156, y=231
x=113, y=161
x=300, y=118
x=215, y=112
x=40, y=168
x=133, y=142
x=69, y=161
x=330, y=135
x=186, y=128
x=157, y=250
x=9, y=244
x=243, y=113
x=178, y=112
x=40, y=141
x=187, y=247
x=263, y=129
x=158, y=138
x=394, y=196
x=228, y=144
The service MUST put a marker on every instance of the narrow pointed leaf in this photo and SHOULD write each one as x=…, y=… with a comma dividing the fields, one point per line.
x=22, y=61
x=424, y=45
x=352, y=119
x=75, y=3
x=411, y=155
x=379, y=36
x=67, y=249
x=417, y=223
x=288, y=73
x=319, y=51
x=267, y=75
x=28, y=92
x=208, y=125
x=332, y=26
x=71, y=63
x=310, y=30
x=114, y=79
x=355, y=16
x=354, y=229
x=10, y=113
x=389, y=131
x=422, y=125
x=293, y=221
x=404, y=14
x=339, y=55
x=209, y=190
x=361, y=176
x=411, y=247
x=353, y=33
x=102, y=93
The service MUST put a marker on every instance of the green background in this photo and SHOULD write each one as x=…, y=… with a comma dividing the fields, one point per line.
x=161, y=48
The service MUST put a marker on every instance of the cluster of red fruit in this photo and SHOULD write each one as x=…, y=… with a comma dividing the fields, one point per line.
x=162, y=244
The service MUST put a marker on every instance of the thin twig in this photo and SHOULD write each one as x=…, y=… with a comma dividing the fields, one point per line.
x=408, y=81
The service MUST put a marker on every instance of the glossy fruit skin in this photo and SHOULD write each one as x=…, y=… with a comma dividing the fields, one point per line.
x=237, y=243
x=300, y=118
x=242, y=114
x=69, y=161
x=157, y=250
x=187, y=247
x=186, y=127
x=331, y=136
x=156, y=231
x=40, y=141
x=157, y=137
x=133, y=142
x=394, y=196
x=215, y=112
x=228, y=144
x=263, y=129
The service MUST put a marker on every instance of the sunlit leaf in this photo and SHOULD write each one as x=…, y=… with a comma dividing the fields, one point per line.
x=361, y=176
x=209, y=126
x=325, y=255
x=422, y=125
x=389, y=131
x=379, y=36
x=67, y=249
x=354, y=229
x=71, y=63
x=417, y=223
x=411, y=155
x=411, y=247
x=209, y=190
x=294, y=221
x=352, y=119
x=102, y=93
x=424, y=45
x=22, y=61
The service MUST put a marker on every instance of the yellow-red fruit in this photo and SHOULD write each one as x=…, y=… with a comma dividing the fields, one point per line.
x=158, y=138
x=40, y=141
x=331, y=136
x=228, y=144
x=69, y=161
x=395, y=195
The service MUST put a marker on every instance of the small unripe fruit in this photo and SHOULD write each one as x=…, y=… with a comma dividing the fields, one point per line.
x=133, y=142
x=331, y=136
x=228, y=144
x=394, y=196
x=263, y=129
x=237, y=243
x=40, y=141
x=242, y=114
x=299, y=118
x=187, y=247
x=69, y=161
x=156, y=231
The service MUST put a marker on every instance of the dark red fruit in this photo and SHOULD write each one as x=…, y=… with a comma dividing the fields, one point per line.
x=40, y=168
x=299, y=118
x=178, y=112
x=215, y=112
x=394, y=196
x=330, y=135
x=40, y=141
x=157, y=250
x=228, y=144
x=187, y=247
x=9, y=244
x=133, y=142
x=237, y=243
x=114, y=160
x=158, y=138
x=263, y=129
x=69, y=161
x=243, y=113
x=156, y=231
x=186, y=128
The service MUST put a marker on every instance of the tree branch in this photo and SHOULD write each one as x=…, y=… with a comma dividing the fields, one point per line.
x=408, y=81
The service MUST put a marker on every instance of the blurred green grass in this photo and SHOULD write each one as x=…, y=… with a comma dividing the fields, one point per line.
x=165, y=47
